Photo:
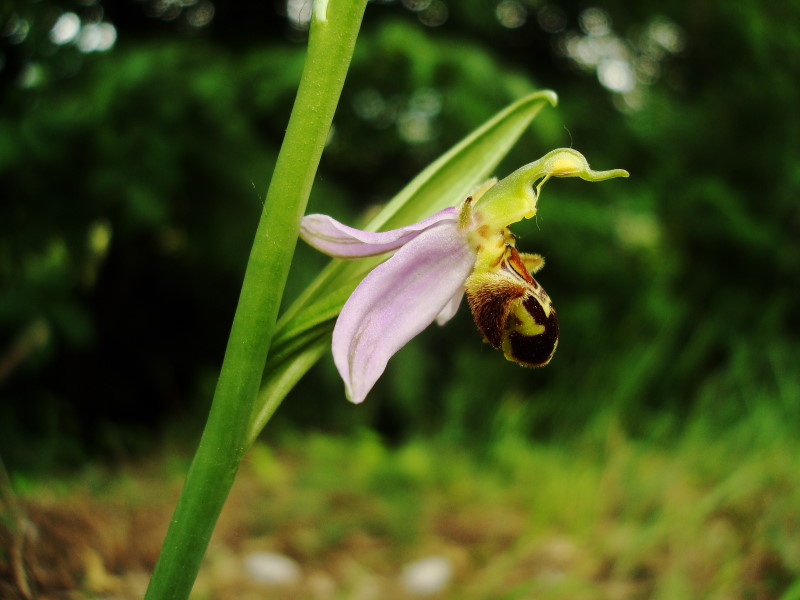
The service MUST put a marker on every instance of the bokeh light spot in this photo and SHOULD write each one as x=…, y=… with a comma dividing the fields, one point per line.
x=99, y=237
x=201, y=14
x=299, y=13
x=16, y=29
x=426, y=102
x=667, y=35
x=414, y=128
x=615, y=75
x=638, y=231
x=65, y=28
x=369, y=104
x=436, y=14
x=595, y=21
x=31, y=75
x=511, y=14
x=97, y=38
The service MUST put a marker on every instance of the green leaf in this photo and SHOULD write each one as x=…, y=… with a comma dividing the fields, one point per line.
x=285, y=375
x=303, y=332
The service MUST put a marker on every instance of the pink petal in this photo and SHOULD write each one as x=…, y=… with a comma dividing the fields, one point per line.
x=451, y=308
x=396, y=301
x=335, y=239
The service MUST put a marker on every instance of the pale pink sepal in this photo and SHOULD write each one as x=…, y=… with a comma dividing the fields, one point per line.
x=396, y=301
x=336, y=239
x=451, y=308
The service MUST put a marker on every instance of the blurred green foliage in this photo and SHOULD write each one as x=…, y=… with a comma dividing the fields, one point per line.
x=132, y=179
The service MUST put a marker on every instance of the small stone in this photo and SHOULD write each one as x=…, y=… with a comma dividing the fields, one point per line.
x=427, y=576
x=271, y=568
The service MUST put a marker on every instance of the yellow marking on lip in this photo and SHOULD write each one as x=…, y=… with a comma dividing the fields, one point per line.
x=527, y=325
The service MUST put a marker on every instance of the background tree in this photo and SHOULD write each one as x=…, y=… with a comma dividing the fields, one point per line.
x=137, y=137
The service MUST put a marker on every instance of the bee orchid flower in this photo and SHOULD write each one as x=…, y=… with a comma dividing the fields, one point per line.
x=467, y=249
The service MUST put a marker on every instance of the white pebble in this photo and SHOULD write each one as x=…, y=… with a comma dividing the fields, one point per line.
x=427, y=576
x=271, y=568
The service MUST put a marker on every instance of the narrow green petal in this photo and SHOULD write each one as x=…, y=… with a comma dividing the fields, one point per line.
x=514, y=198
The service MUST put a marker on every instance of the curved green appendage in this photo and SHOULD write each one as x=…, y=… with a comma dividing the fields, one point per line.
x=514, y=198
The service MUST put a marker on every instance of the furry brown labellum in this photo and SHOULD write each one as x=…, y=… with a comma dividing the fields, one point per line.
x=513, y=312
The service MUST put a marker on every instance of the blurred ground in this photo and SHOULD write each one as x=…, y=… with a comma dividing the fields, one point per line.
x=701, y=517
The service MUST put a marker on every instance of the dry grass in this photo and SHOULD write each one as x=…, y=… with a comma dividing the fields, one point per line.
x=706, y=517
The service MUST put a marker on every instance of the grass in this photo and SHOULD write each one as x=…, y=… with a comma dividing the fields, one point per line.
x=711, y=514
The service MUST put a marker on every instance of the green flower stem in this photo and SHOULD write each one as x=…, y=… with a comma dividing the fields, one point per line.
x=334, y=28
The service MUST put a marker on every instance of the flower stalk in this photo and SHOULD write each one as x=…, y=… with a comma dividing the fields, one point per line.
x=332, y=37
